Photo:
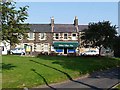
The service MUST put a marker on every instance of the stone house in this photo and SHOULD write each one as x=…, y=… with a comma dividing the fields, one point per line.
x=58, y=38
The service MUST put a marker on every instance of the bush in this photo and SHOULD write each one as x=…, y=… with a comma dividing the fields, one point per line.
x=53, y=53
x=71, y=54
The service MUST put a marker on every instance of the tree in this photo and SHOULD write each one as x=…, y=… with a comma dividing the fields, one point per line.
x=116, y=46
x=100, y=34
x=13, y=24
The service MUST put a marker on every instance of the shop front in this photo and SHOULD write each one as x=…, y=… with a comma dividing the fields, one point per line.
x=65, y=47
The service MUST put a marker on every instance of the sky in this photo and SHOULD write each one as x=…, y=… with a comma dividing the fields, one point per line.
x=64, y=12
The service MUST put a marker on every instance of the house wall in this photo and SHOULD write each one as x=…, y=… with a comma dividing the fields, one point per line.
x=37, y=44
x=61, y=37
x=4, y=47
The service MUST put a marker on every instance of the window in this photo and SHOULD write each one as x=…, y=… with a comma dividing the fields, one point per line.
x=65, y=36
x=46, y=48
x=38, y=47
x=42, y=36
x=56, y=35
x=31, y=35
x=20, y=36
x=74, y=36
x=1, y=48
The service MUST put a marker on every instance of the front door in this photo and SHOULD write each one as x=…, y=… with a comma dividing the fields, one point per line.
x=65, y=50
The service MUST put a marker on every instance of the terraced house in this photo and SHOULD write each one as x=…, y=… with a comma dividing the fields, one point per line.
x=53, y=38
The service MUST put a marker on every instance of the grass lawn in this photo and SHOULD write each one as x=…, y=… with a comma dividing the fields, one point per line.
x=34, y=71
x=117, y=87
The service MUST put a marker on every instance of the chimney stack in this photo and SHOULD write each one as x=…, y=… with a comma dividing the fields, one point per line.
x=52, y=23
x=76, y=21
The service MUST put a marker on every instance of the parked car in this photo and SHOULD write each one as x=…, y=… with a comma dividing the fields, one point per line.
x=20, y=51
x=90, y=53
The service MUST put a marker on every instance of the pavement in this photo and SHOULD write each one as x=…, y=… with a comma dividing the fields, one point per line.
x=95, y=81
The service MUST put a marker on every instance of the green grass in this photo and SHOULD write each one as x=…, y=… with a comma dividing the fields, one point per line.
x=117, y=87
x=34, y=71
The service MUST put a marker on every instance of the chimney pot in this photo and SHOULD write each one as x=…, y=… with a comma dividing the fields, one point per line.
x=76, y=17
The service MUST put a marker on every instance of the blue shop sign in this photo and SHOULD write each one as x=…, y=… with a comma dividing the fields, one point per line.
x=59, y=50
x=71, y=50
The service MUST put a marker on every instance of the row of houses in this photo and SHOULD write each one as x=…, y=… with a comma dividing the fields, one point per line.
x=58, y=38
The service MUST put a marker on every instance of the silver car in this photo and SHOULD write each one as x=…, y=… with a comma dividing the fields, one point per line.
x=90, y=53
x=20, y=51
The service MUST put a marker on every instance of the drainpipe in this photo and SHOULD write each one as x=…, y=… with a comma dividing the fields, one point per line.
x=34, y=42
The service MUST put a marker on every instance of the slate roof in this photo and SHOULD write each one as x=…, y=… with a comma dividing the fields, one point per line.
x=64, y=28
x=57, y=27
x=82, y=27
x=40, y=27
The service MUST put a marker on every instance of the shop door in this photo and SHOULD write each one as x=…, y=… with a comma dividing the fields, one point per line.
x=65, y=50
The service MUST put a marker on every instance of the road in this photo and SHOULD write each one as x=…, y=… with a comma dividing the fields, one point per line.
x=95, y=81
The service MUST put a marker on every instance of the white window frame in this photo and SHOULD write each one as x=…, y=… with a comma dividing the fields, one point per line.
x=44, y=36
x=46, y=49
x=55, y=36
x=38, y=47
x=64, y=37
x=29, y=36
x=20, y=37
x=72, y=36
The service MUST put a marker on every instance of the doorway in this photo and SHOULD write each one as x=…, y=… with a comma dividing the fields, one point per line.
x=65, y=50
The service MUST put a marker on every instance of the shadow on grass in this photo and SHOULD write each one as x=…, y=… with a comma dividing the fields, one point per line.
x=43, y=79
x=85, y=65
x=7, y=66
x=68, y=76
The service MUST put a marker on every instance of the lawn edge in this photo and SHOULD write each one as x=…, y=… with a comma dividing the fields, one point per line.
x=80, y=77
x=62, y=82
x=114, y=86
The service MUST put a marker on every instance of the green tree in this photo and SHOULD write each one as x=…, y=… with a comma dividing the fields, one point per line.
x=13, y=25
x=100, y=34
x=116, y=46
